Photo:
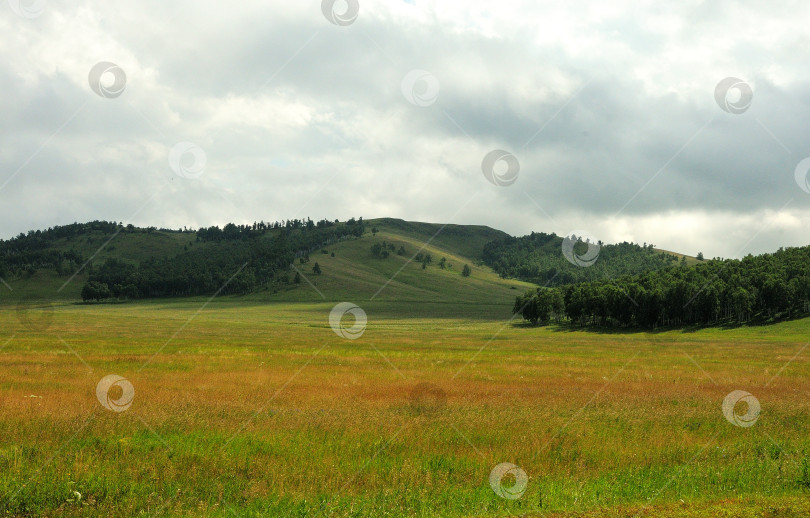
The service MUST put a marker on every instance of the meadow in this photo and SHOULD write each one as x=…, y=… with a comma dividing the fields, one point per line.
x=244, y=408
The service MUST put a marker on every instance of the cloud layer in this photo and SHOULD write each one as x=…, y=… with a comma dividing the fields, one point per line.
x=609, y=109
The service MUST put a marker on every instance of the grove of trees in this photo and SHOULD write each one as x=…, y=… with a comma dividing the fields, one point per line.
x=235, y=259
x=537, y=258
x=756, y=288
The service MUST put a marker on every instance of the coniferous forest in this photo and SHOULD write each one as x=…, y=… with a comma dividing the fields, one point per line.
x=537, y=258
x=232, y=259
x=760, y=288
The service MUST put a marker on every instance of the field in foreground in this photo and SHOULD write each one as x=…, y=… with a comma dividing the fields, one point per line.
x=245, y=409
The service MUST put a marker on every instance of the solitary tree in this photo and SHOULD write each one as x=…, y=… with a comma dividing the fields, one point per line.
x=297, y=278
x=316, y=269
x=95, y=290
x=466, y=271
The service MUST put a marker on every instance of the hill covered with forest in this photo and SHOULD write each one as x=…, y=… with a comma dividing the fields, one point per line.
x=293, y=260
x=551, y=260
x=566, y=279
x=763, y=288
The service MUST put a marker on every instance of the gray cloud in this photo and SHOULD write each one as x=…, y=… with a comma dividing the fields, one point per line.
x=610, y=111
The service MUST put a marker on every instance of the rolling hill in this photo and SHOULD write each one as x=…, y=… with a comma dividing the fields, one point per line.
x=50, y=259
x=384, y=260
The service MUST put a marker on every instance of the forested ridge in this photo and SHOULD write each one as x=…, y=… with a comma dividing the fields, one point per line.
x=537, y=258
x=232, y=259
x=26, y=253
x=760, y=288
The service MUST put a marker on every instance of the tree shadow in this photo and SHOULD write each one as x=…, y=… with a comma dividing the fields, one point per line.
x=570, y=327
x=567, y=327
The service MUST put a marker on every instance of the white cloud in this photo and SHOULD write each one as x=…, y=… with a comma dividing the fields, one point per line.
x=299, y=117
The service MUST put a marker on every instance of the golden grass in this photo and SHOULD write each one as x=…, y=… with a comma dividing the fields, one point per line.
x=261, y=405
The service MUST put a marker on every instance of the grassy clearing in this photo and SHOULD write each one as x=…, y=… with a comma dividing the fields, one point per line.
x=260, y=410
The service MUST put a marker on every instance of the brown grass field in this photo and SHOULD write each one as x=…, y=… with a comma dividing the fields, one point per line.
x=247, y=409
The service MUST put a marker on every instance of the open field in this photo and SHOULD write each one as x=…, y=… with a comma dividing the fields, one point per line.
x=247, y=409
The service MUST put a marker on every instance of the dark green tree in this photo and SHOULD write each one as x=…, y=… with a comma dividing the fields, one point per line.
x=95, y=290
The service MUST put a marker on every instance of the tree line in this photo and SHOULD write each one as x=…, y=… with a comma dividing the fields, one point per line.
x=537, y=258
x=236, y=261
x=760, y=288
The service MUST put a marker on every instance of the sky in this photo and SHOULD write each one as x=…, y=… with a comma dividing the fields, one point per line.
x=682, y=124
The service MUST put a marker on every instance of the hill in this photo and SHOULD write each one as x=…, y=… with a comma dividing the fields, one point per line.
x=254, y=261
x=551, y=260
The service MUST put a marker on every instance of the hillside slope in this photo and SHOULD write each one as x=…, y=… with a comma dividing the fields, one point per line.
x=43, y=265
x=354, y=273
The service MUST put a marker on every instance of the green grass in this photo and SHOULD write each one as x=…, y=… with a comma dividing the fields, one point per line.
x=252, y=406
x=353, y=274
x=249, y=408
x=133, y=247
x=467, y=240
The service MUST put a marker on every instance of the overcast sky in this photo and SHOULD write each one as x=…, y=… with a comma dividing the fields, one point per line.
x=190, y=113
